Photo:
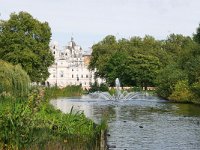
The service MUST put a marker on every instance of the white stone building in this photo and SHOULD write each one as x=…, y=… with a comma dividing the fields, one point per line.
x=70, y=66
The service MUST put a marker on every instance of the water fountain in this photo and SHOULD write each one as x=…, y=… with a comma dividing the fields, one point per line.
x=119, y=94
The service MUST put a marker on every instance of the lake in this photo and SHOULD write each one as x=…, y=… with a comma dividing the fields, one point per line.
x=144, y=123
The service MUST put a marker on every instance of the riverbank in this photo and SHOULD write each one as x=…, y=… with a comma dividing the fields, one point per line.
x=31, y=122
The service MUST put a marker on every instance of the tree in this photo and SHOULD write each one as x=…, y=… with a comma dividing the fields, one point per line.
x=196, y=36
x=167, y=78
x=115, y=68
x=101, y=53
x=143, y=69
x=13, y=80
x=25, y=41
x=135, y=61
x=177, y=45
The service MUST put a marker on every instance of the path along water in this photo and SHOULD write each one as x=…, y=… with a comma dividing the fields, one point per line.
x=144, y=123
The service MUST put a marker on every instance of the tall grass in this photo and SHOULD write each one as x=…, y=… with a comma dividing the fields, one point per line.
x=34, y=123
x=69, y=91
x=28, y=121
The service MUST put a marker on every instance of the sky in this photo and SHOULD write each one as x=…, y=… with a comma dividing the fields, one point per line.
x=89, y=21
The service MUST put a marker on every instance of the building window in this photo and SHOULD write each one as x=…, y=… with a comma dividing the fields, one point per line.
x=72, y=76
x=85, y=83
x=72, y=69
x=61, y=74
x=54, y=75
x=86, y=76
x=81, y=76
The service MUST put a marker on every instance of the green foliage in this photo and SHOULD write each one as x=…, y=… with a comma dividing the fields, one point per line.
x=178, y=81
x=25, y=41
x=68, y=91
x=135, y=61
x=143, y=69
x=115, y=67
x=14, y=81
x=96, y=87
x=181, y=92
x=195, y=88
x=32, y=123
x=191, y=65
x=175, y=45
x=143, y=62
x=196, y=36
x=167, y=79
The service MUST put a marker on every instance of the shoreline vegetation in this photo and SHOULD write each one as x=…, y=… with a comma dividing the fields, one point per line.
x=29, y=121
x=32, y=123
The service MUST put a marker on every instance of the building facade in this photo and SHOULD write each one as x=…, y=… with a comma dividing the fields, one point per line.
x=70, y=66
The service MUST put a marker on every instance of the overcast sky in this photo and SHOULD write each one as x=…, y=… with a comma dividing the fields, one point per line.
x=89, y=21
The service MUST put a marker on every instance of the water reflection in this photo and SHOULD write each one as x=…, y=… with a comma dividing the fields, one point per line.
x=138, y=124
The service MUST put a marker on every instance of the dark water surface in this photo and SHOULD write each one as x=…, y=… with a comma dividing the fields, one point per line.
x=146, y=123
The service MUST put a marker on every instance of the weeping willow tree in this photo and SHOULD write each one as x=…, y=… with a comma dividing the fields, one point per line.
x=13, y=80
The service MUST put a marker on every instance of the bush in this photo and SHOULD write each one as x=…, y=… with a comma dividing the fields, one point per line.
x=195, y=88
x=182, y=92
x=96, y=87
x=68, y=91
x=13, y=80
x=34, y=122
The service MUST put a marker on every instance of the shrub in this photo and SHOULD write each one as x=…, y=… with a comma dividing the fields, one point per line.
x=13, y=80
x=195, y=88
x=181, y=92
x=68, y=91
x=96, y=87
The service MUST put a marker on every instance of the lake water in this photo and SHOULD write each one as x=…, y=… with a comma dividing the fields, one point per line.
x=145, y=123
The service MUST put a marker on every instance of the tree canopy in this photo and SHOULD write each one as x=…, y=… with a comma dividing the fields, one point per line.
x=171, y=65
x=135, y=61
x=25, y=41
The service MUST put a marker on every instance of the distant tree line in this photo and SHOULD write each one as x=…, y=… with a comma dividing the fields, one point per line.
x=171, y=65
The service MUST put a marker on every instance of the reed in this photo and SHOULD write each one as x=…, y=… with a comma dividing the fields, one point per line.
x=34, y=123
x=28, y=121
x=68, y=91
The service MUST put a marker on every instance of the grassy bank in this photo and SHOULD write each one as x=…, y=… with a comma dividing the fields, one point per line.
x=32, y=123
